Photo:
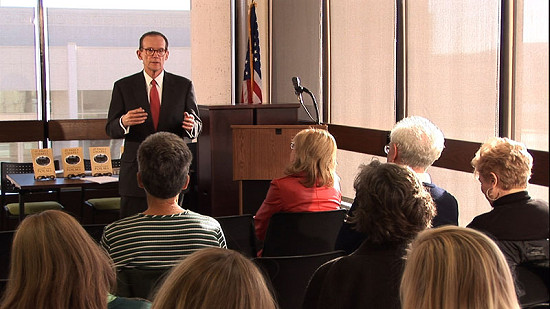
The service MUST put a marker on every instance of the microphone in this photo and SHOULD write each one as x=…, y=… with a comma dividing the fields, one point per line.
x=298, y=90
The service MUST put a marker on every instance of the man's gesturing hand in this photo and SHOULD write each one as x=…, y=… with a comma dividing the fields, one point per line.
x=133, y=117
x=188, y=121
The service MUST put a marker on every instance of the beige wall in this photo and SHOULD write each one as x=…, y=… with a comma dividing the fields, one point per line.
x=211, y=54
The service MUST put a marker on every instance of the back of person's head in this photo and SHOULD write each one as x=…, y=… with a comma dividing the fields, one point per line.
x=508, y=159
x=419, y=142
x=56, y=264
x=164, y=160
x=453, y=267
x=392, y=204
x=315, y=157
x=214, y=278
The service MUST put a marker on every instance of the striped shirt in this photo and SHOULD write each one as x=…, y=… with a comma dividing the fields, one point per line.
x=160, y=241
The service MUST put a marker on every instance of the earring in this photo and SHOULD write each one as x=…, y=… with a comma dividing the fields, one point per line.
x=488, y=195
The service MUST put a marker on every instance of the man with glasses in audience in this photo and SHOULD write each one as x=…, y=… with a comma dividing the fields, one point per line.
x=417, y=143
x=150, y=101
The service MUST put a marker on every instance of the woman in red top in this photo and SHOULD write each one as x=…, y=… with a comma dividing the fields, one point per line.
x=311, y=183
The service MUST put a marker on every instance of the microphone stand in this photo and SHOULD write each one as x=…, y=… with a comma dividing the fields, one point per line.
x=314, y=105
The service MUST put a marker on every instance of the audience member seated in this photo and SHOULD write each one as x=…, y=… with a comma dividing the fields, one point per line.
x=453, y=268
x=164, y=233
x=56, y=264
x=311, y=183
x=518, y=223
x=392, y=207
x=214, y=278
x=417, y=143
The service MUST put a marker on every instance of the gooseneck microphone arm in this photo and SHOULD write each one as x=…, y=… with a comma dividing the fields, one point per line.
x=298, y=90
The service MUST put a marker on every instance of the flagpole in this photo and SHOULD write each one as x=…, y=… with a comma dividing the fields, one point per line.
x=250, y=54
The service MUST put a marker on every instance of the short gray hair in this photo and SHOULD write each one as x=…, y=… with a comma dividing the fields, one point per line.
x=163, y=161
x=419, y=141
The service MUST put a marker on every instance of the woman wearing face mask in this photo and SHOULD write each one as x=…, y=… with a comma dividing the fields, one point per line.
x=517, y=222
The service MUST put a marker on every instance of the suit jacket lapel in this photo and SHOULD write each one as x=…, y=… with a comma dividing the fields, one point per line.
x=168, y=99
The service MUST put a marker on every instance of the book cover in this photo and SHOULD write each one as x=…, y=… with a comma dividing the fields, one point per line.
x=73, y=162
x=42, y=162
x=100, y=159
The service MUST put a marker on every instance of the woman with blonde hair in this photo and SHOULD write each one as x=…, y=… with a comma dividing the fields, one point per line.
x=214, y=278
x=517, y=222
x=311, y=183
x=55, y=264
x=453, y=268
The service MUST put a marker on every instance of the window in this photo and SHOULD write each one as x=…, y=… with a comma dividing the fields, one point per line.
x=451, y=76
x=18, y=93
x=531, y=74
x=362, y=91
x=89, y=45
x=452, y=65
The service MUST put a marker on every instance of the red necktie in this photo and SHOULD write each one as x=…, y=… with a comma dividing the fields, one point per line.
x=154, y=101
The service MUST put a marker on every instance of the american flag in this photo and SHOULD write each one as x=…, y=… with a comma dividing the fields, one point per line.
x=252, y=83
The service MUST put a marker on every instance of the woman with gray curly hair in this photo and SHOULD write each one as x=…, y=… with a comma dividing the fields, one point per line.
x=392, y=207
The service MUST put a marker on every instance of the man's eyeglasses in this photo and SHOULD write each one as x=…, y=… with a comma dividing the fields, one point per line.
x=151, y=51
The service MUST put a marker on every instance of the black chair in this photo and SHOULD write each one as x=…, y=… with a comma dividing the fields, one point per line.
x=239, y=233
x=141, y=283
x=532, y=279
x=290, y=275
x=6, y=240
x=95, y=230
x=12, y=209
x=301, y=233
x=103, y=204
x=3, y=283
x=530, y=263
x=538, y=306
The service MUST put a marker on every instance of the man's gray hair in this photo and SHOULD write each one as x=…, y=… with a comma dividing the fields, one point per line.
x=418, y=140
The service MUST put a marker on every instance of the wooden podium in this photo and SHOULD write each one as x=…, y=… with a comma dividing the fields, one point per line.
x=218, y=194
x=260, y=153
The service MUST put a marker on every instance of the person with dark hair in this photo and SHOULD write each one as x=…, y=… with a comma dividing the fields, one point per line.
x=56, y=264
x=150, y=101
x=164, y=233
x=392, y=207
x=215, y=278
x=417, y=143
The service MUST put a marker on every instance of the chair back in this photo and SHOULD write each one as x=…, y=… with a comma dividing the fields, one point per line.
x=13, y=168
x=95, y=230
x=290, y=275
x=6, y=240
x=533, y=279
x=239, y=233
x=137, y=282
x=115, y=163
x=301, y=233
x=529, y=260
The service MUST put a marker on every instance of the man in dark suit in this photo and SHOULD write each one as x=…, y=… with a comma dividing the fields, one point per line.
x=144, y=103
